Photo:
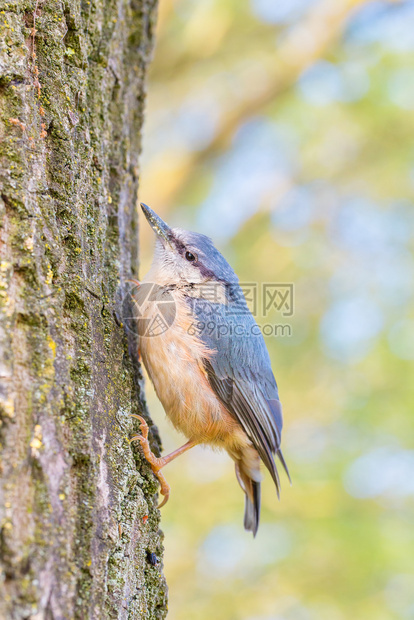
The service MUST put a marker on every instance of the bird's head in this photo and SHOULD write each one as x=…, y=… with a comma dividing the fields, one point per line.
x=182, y=257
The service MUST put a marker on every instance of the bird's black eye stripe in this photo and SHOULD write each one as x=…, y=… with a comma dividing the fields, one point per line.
x=190, y=256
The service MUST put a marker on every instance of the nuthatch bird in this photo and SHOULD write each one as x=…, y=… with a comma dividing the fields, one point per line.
x=209, y=366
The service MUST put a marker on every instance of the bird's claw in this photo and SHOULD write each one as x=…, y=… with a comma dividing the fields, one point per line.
x=133, y=281
x=143, y=425
x=164, y=490
x=155, y=462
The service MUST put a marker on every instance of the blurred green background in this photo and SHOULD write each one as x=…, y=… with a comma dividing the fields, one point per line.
x=284, y=130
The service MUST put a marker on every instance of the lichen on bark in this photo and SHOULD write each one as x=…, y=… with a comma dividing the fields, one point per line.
x=78, y=513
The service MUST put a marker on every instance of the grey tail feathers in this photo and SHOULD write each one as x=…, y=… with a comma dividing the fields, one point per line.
x=252, y=509
x=285, y=467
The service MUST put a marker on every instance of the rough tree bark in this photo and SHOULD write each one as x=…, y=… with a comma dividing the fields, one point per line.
x=78, y=517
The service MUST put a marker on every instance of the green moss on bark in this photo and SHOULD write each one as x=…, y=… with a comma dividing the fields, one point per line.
x=77, y=506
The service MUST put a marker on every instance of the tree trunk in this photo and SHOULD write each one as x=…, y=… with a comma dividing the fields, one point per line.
x=79, y=524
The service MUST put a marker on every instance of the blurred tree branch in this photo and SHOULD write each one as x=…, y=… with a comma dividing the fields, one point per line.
x=300, y=48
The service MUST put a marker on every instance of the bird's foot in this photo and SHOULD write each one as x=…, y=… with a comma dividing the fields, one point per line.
x=155, y=462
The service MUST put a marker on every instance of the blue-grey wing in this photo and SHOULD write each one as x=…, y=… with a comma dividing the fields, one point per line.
x=240, y=373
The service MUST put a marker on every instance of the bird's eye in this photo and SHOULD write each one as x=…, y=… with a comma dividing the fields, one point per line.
x=190, y=257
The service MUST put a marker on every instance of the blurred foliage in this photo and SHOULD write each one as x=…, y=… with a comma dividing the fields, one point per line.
x=283, y=129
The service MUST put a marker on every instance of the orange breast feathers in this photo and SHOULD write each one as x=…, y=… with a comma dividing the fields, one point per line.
x=174, y=361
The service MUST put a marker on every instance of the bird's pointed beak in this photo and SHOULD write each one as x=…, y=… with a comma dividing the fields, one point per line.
x=160, y=228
